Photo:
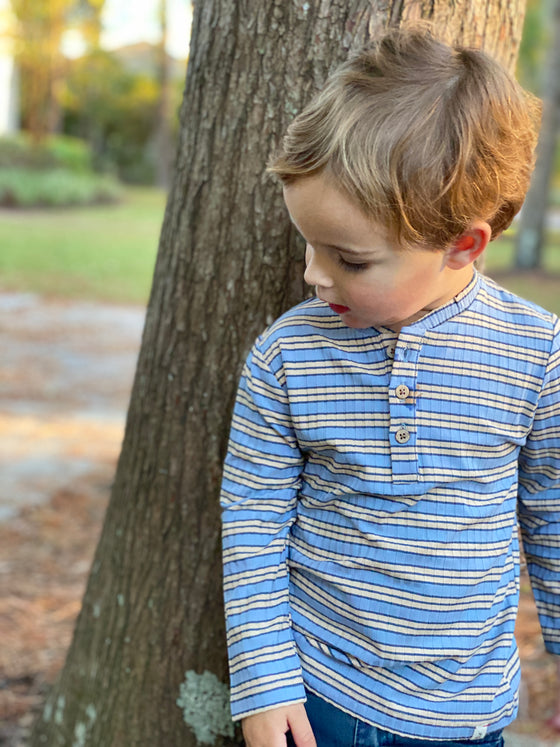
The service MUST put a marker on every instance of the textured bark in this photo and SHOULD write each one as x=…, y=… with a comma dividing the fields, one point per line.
x=228, y=263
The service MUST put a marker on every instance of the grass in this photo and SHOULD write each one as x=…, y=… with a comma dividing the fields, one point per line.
x=500, y=254
x=103, y=253
x=540, y=286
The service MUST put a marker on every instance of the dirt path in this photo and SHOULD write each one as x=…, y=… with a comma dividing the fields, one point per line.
x=65, y=376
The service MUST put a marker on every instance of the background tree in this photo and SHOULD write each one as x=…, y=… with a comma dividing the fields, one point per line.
x=163, y=135
x=115, y=109
x=150, y=632
x=85, y=15
x=533, y=45
x=40, y=26
x=530, y=235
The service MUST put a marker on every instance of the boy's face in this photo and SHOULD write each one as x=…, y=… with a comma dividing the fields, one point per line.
x=356, y=268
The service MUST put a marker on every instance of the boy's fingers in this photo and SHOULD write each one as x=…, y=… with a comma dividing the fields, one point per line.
x=300, y=727
x=275, y=739
x=268, y=728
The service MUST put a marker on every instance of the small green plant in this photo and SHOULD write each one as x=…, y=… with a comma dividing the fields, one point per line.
x=55, y=173
x=55, y=188
x=61, y=151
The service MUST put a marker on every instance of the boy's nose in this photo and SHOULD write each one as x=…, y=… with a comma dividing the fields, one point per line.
x=316, y=272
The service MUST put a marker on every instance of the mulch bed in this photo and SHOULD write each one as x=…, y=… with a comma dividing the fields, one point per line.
x=45, y=557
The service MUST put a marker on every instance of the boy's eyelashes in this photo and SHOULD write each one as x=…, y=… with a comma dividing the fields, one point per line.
x=352, y=266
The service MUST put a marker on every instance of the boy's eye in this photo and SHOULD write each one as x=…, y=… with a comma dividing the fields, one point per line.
x=352, y=266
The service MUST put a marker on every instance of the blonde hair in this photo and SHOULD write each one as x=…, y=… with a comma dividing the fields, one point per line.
x=425, y=137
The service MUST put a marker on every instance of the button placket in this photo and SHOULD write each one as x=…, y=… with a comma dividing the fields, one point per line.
x=402, y=408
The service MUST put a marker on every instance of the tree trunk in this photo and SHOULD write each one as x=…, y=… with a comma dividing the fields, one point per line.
x=150, y=632
x=39, y=33
x=530, y=236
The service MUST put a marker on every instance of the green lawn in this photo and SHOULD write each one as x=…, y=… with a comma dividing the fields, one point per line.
x=542, y=286
x=100, y=253
x=500, y=254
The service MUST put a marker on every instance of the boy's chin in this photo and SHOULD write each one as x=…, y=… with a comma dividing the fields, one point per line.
x=357, y=323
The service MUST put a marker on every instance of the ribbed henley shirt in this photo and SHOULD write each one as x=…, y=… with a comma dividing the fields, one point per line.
x=371, y=497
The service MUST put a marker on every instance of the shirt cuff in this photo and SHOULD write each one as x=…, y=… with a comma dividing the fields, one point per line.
x=265, y=686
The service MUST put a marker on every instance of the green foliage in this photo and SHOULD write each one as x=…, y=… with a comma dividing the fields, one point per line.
x=61, y=151
x=556, y=177
x=55, y=172
x=54, y=187
x=541, y=286
x=38, y=32
x=533, y=44
x=70, y=153
x=530, y=66
x=115, y=109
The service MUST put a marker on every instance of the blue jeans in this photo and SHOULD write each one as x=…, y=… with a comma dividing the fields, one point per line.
x=335, y=728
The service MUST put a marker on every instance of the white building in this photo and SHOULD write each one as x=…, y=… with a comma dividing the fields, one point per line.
x=9, y=114
x=9, y=84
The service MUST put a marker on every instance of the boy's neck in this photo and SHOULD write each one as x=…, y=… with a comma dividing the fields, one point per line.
x=459, y=280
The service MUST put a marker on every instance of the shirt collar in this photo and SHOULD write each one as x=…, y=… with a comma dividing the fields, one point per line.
x=455, y=306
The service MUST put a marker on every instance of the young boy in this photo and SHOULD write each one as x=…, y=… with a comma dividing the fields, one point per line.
x=388, y=432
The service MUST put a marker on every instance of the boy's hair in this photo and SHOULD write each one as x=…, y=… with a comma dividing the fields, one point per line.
x=425, y=137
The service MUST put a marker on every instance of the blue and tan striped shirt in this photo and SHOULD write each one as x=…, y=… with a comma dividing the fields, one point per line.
x=371, y=497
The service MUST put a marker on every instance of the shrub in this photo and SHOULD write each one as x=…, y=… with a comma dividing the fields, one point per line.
x=70, y=153
x=55, y=188
x=61, y=151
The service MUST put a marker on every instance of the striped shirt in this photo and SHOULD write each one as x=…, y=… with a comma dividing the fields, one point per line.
x=371, y=497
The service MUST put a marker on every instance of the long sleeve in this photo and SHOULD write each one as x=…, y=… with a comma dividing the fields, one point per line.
x=539, y=501
x=259, y=493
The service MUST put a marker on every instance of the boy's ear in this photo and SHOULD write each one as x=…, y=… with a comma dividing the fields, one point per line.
x=468, y=247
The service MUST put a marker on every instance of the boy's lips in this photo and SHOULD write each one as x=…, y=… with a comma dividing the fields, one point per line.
x=339, y=309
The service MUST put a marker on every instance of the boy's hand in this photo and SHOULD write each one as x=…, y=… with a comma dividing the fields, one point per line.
x=268, y=729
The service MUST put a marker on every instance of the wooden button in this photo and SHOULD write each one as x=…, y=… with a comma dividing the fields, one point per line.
x=402, y=435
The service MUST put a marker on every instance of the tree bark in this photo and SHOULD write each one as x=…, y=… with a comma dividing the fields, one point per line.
x=151, y=629
x=530, y=236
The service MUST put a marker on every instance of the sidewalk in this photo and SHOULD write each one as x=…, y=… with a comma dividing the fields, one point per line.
x=65, y=379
